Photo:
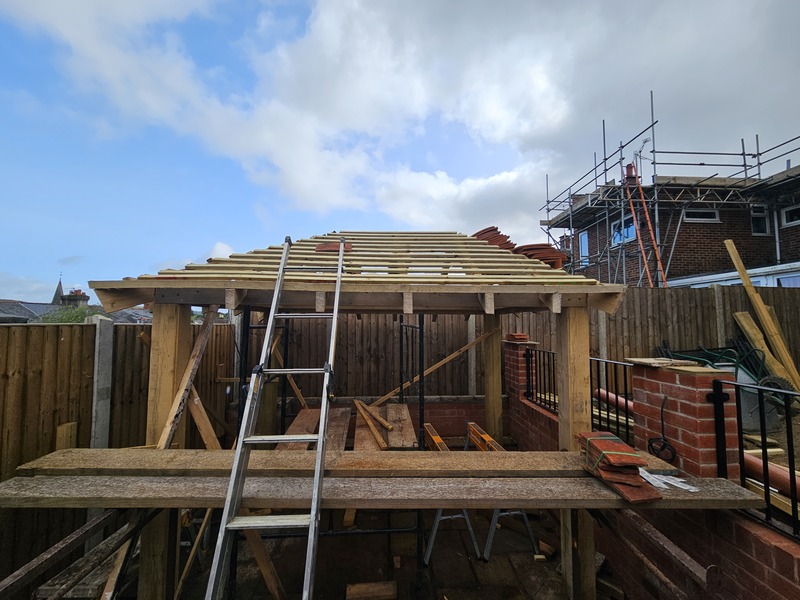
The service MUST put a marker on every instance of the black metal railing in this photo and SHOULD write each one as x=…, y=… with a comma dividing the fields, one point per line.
x=540, y=380
x=610, y=385
x=612, y=397
x=764, y=415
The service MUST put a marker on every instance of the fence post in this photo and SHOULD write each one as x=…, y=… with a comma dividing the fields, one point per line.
x=718, y=398
x=101, y=395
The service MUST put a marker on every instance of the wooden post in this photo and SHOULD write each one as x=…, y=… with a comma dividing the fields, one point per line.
x=572, y=379
x=472, y=365
x=574, y=415
x=493, y=377
x=169, y=353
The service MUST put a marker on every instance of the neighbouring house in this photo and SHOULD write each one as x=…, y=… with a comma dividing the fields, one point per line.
x=610, y=232
x=21, y=311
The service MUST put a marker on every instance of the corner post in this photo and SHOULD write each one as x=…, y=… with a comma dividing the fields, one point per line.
x=575, y=415
x=169, y=354
x=493, y=377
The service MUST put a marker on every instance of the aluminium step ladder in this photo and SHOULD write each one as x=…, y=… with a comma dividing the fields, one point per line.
x=231, y=520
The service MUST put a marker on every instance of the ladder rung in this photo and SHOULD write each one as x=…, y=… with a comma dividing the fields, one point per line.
x=320, y=315
x=303, y=438
x=270, y=521
x=312, y=269
x=314, y=371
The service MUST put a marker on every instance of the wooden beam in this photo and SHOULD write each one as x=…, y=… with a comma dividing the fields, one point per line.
x=578, y=553
x=362, y=410
x=753, y=334
x=234, y=297
x=26, y=574
x=771, y=329
x=574, y=416
x=187, y=380
x=169, y=355
x=572, y=378
x=487, y=302
x=607, y=302
x=408, y=303
x=433, y=368
x=493, y=377
x=552, y=301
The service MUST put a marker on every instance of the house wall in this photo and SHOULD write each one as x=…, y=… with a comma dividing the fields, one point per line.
x=744, y=558
x=699, y=248
x=790, y=243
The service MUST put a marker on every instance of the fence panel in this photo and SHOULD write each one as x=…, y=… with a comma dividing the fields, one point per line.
x=46, y=380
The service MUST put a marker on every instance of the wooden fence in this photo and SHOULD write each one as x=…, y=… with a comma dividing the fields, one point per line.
x=46, y=377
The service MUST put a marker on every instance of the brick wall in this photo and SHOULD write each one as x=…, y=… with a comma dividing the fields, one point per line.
x=752, y=560
x=531, y=426
x=689, y=424
x=790, y=243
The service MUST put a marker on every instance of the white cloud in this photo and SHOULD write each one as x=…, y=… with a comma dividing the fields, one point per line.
x=325, y=109
x=220, y=250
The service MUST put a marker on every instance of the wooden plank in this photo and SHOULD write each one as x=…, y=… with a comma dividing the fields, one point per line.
x=402, y=435
x=756, y=339
x=306, y=421
x=67, y=435
x=358, y=492
x=436, y=366
x=367, y=420
x=338, y=428
x=382, y=590
x=771, y=329
x=25, y=575
x=126, y=462
x=375, y=414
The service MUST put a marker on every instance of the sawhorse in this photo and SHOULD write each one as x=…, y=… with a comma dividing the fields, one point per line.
x=433, y=441
x=484, y=442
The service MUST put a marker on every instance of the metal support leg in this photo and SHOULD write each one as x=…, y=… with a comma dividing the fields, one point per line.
x=493, y=527
x=463, y=515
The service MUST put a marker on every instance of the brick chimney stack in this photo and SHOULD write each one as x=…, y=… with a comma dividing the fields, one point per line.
x=75, y=298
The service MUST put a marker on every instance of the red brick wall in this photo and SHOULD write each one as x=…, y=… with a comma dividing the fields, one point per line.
x=450, y=416
x=688, y=416
x=753, y=561
x=790, y=243
x=532, y=427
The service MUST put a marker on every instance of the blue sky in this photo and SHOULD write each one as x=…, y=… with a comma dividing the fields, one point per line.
x=143, y=135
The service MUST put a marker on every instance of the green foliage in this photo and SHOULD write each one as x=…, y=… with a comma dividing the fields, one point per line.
x=70, y=314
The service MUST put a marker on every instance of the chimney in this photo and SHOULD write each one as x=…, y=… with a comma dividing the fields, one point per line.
x=75, y=298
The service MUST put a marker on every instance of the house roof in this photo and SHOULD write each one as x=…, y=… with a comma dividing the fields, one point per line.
x=436, y=272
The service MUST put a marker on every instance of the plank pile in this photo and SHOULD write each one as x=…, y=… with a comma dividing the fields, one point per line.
x=616, y=464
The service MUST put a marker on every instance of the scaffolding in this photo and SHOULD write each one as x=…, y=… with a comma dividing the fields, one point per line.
x=600, y=203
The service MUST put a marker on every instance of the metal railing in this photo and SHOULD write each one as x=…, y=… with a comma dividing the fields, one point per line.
x=612, y=408
x=612, y=403
x=766, y=414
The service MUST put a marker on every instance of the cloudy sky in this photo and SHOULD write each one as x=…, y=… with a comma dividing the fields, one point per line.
x=139, y=135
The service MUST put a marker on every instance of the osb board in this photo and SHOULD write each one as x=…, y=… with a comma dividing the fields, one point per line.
x=357, y=492
x=267, y=463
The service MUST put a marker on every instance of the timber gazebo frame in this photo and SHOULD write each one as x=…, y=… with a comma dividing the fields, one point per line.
x=391, y=272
